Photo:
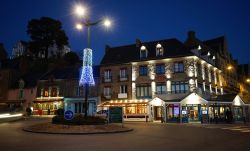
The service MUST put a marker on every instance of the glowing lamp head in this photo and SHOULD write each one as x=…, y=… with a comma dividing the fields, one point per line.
x=79, y=26
x=229, y=67
x=107, y=23
x=248, y=80
x=80, y=10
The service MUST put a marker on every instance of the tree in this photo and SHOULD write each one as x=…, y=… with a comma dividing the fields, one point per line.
x=44, y=33
x=71, y=58
x=3, y=53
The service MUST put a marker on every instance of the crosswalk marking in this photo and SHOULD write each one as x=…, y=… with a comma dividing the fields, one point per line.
x=244, y=129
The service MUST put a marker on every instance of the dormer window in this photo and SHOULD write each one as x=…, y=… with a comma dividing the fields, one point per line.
x=199, y=47
x=143, y=52
x=159, y=50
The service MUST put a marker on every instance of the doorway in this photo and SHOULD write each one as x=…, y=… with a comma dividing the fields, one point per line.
x=157, y=113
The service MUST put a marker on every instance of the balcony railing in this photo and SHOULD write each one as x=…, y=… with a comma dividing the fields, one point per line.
x=107, y=95
x=171, y=92
x=122, y=95
x=123, y=77
x=107, y=79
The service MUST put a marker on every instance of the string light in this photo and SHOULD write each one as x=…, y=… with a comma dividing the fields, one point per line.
x=87, y=70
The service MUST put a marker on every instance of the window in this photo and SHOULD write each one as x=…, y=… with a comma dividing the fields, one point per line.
x=123, y=89
x=160, y=69
x=123, y=74
x=107, y=91
x=179, y=87
x=143, y=52
x=161, y=88
x=143, y=91
x=143, y=70
x=46, y=92
x=107, y=75
x=159, y=50
x=54, y=92
x=178, y=67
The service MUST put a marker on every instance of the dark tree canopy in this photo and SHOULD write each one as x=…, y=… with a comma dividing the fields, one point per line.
x=3, y=53
x=72, y=58
x=44, y=33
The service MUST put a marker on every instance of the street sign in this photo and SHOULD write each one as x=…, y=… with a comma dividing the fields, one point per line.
x=68, y=115
x=115, y=115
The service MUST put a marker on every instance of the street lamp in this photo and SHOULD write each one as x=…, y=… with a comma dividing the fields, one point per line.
x=229, y=67
x=248, y=80
x=87, y=71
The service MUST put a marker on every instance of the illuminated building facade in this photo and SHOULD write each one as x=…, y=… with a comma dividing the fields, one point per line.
x=170, y=81
x=60, y=88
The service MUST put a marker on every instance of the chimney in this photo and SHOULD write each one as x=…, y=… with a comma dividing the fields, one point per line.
x=138, y=43
x=191, y=35
x=107, y=47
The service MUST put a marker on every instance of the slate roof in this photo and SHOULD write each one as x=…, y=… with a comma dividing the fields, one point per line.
x=216, y=44
x=131, y=53
x=68, y=73
x=223, y=98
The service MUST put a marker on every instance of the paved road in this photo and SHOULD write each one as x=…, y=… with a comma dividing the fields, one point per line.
x=145, y=137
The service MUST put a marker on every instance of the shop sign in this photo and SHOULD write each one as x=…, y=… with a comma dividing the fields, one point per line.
x=68, y=115
x=204, y=112
x=115, y=115
x=183, y=112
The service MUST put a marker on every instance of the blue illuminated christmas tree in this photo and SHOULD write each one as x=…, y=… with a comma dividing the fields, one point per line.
x=87, y=70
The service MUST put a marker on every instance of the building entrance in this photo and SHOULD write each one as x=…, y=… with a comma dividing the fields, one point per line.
x=193, y=112
x=157, y=112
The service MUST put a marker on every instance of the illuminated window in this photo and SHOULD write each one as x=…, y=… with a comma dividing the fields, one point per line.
x=159, y=50
x=161, y=88
x=143, y=91
x=178, y=67
x=160, y=69
x=54, y=92
x=179, y=86
x=46, y=92
x=143, y=70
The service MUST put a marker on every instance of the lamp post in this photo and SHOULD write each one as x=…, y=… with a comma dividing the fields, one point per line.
x=87, y=72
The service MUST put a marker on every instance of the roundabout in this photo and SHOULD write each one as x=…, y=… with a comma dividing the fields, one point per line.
x=49, y=128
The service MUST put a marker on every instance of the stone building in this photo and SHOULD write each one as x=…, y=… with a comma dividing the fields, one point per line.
x=171, y=81
x=59, y=88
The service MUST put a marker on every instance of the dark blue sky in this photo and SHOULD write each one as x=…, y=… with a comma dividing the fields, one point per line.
x=144, y=19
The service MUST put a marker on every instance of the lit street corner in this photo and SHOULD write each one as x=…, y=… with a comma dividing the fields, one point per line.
x=146, y=136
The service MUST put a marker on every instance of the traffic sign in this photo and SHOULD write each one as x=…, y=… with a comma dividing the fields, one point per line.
x=68, y=115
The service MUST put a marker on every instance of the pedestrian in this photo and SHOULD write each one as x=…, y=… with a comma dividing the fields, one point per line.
x=48, y=111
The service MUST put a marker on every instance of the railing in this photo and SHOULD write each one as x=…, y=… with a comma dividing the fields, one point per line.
x=107, y=79
x=122, y=77
x=171, y=92
x=122, y=95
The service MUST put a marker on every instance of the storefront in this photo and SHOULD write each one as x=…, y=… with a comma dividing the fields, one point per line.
x=133, y=110
x=76, y=105
x=227, y=108
x=47, y=106
x=194, y=109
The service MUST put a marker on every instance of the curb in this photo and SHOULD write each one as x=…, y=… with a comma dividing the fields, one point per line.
x=87, y=133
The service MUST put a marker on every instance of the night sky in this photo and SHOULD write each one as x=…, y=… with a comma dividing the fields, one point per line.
x=144, y=19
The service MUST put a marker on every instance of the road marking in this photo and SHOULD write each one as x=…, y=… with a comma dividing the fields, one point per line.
x=235, y=127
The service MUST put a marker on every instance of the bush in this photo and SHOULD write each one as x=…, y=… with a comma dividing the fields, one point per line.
x=60, y=112
x=79, y=120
